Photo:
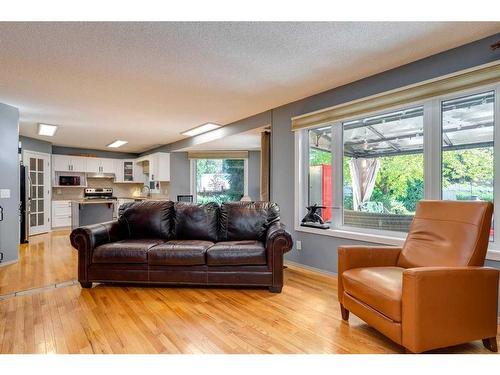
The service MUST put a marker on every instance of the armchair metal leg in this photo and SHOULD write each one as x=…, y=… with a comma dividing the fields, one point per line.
x=491, y=344
x=345, y=313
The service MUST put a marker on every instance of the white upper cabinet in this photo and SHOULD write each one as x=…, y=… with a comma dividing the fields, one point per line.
x=100, y=165
x=66, y=163
x=127, y=170
x=159, y=166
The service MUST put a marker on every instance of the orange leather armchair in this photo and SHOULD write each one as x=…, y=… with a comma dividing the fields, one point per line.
x=434, y=291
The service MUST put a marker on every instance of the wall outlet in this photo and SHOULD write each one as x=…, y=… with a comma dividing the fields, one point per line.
x=299, y=245
x=4, y=193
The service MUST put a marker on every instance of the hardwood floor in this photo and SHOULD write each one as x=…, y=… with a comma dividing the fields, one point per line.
x=304, y=318
x=46, y=259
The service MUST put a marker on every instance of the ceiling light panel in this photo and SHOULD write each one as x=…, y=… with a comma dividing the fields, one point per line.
x=117, y=144
x=201, y=129
x=47, y=130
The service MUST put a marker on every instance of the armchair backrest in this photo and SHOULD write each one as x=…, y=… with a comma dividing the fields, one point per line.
x=448, y=233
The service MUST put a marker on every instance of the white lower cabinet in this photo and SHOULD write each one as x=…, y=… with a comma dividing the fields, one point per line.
x=61, y=214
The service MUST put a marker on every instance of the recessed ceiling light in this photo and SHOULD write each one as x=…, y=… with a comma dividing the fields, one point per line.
x=201, y=129
x=47, y=130
x=117, y=144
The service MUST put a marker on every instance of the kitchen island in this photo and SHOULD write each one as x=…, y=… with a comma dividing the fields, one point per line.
x=91, y=211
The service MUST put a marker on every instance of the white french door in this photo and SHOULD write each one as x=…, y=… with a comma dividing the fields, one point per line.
x=38, y=185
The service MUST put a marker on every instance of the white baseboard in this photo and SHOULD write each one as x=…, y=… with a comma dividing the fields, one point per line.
x=310, y=268
x=9, y=262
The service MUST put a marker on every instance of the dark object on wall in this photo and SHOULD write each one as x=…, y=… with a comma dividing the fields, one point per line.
x=495, y=46
x=185, y=198
x=23, y=204
x=1, y=219
x=162, y=242
x=313, y=219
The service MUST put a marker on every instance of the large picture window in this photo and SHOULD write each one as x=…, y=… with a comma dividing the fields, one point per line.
x=383, y=169
x=371, y=171
x=219, y=180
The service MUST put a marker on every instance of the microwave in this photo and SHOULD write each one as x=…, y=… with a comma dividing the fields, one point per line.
x=69, y=180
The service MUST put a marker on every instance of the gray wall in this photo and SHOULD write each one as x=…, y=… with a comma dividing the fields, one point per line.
x=36, y=145
x=179, y=175
x=254, y=175
x=9, y=179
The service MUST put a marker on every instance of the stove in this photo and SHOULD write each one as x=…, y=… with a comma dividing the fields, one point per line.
x=98, y=193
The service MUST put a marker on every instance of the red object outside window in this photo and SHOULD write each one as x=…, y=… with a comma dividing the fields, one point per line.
x=326, y=191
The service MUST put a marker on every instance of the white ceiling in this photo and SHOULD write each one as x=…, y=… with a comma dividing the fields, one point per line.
x=147, y=82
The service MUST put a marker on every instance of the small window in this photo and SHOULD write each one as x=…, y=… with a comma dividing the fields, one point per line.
x=383, y=170
x=320, y=170
x=219, y=180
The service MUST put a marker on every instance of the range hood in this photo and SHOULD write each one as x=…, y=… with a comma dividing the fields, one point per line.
x=101, y=175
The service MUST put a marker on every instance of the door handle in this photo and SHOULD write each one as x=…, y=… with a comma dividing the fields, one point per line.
x=1, y=213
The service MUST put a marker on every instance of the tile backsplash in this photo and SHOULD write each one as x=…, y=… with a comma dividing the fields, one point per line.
x=119, y=190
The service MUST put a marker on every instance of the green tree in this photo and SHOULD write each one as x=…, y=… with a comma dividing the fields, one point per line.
x=468, y=166
x=318, y=157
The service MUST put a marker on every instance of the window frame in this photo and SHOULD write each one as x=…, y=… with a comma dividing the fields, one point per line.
x=192, y=176
x=432, y=152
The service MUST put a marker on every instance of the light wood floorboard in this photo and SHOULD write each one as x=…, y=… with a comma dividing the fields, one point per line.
x=304, y=318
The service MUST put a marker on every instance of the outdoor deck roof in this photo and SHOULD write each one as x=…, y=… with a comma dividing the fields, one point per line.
x=401, y=132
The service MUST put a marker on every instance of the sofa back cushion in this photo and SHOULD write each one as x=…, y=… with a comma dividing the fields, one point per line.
x=147, y=219
x=247, y=220
x=196, y=221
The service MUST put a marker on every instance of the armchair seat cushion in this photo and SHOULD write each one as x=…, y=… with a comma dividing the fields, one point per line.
x=236, y=253
x=378, y=287
x=124, y=251
x=179, y=252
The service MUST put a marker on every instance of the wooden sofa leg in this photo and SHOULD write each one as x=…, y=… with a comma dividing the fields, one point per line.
x=275, y=289
x=491, y=344
x=86, y=284
x=345, y=313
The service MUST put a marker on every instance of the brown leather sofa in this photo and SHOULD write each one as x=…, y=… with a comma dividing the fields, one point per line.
x=161, y=242
x=434, y=291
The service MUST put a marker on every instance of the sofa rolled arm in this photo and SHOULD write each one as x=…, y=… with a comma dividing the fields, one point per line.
x=91, y=236
x=278, y=236
x=350, y=257
x=436, y=301
x=86, y=239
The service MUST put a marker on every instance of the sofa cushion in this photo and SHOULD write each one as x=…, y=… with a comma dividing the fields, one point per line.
x=378, y=287
x=236, y=253
x=196, y=221
x=147, y=219
x=179, y=252
x=124, y=251
x=247, y=220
